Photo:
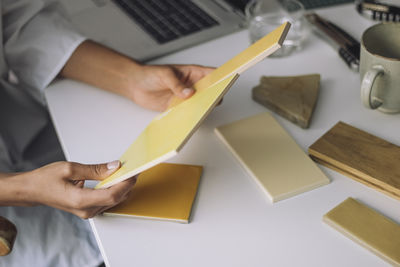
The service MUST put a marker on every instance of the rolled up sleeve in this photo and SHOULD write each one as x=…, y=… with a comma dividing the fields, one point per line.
x=38, y=40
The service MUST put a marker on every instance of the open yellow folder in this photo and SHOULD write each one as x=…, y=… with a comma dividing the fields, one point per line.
x=167, y=133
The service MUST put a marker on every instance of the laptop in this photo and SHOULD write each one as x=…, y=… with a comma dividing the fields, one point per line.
x=146, y=29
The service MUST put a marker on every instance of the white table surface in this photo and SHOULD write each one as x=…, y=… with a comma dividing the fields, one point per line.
x=233, y=223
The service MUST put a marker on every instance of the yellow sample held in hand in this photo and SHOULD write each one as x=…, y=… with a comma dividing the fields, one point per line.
x=168, y=132
x=244, y=60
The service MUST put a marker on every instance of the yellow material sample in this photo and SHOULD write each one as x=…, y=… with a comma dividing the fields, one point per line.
x=164, y=192
x=244, y=60
x=271, y=156
x=367, y=227
x=167, y=133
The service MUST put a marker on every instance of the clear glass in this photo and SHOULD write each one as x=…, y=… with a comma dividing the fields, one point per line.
x=263, y=16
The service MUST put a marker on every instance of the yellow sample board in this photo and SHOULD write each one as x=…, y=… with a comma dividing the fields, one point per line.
x=244, y=60
x=270, y=156
x=164, y=192
x=168, y=132
x=368, y=228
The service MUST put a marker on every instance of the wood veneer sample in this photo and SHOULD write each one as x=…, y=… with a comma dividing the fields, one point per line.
x=164, y=192
x=361, y=156
x=278, y=165
x=367, y=227
x=292, y=97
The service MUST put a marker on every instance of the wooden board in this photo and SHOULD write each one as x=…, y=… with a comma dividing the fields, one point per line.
x=368, y=228
x=164, y=192
x=269, y=155
x=292, y=97
x=361, y=156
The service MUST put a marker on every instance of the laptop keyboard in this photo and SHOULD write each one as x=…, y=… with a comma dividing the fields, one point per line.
x=166, y=21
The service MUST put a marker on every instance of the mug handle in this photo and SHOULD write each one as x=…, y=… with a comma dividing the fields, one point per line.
x=368, y=80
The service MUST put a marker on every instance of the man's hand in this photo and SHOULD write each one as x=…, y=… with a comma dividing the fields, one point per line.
x=60, y=185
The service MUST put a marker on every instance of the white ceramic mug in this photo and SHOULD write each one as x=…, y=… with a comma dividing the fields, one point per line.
x=380, y=67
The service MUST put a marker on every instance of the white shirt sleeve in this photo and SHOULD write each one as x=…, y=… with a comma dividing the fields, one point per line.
x=38, y=40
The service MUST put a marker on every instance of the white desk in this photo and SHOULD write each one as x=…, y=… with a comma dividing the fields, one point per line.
x=233, y=224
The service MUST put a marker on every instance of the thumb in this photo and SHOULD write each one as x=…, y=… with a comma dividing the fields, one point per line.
x=93, y=171
x=178, y=88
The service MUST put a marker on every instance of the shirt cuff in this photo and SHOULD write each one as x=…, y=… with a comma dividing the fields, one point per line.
x=61, y=62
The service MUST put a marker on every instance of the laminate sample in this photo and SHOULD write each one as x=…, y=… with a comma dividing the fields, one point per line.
x=292, y=97
x=361, y=156
x=244, y=60
x=164, y=192
x=267, y=152
x=368, y=228
x=167, y=133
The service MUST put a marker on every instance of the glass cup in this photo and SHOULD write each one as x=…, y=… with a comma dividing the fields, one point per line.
x=263, y=16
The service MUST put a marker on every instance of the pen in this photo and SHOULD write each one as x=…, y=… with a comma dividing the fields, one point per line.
x=347, y=46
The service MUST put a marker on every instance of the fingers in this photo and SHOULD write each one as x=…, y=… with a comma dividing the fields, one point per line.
x=103, y=209
x=87, y=198
x=76, y=171
x=192, y=73
x=177, y=86
x=60, y=185
x=182, y=77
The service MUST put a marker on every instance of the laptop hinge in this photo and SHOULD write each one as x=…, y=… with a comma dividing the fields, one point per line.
x=229, y=8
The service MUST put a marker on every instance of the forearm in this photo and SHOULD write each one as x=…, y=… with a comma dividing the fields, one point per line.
x=100, y=66
x=13, y=190
x=150, y=86
x=4, y=174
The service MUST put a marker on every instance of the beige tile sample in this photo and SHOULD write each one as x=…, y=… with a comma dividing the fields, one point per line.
x=278, y=165
x=367, y=227
x=292, y=97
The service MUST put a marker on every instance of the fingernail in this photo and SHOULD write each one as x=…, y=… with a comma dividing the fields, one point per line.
x=113, y=165
x=187, y=91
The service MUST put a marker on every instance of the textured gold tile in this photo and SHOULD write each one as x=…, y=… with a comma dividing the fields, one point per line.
x=367, y=227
